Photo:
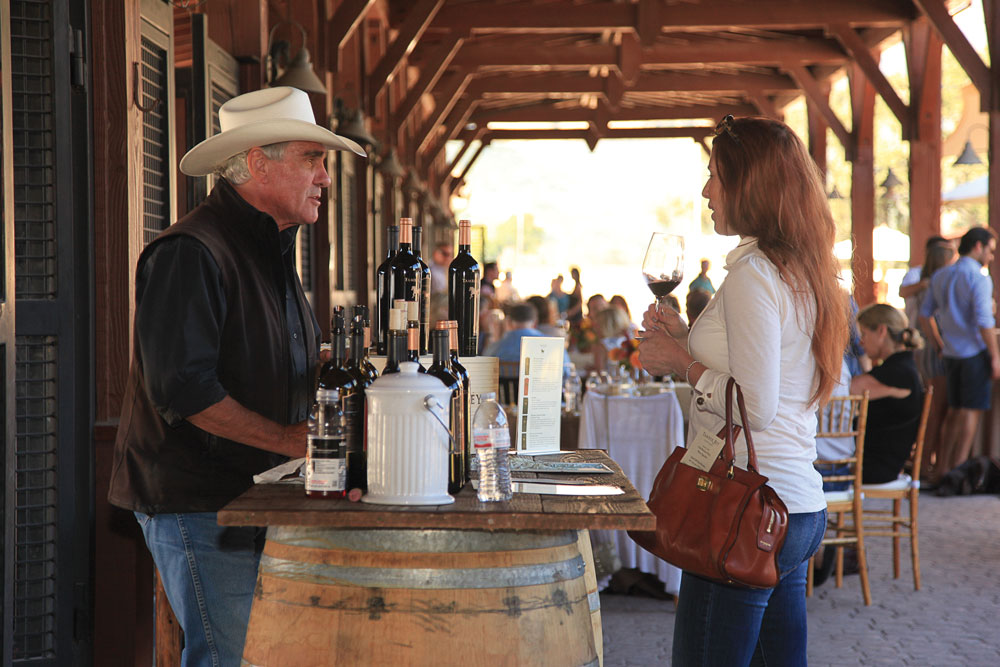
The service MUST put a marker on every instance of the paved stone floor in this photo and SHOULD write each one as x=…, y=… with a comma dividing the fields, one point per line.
x=953, y=620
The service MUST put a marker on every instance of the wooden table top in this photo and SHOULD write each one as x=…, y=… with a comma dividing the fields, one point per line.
x=286, y=504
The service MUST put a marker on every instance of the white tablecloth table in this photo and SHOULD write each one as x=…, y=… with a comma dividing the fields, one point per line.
x=638, y=432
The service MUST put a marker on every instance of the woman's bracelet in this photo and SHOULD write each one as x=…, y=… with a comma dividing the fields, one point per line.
x=687, y=372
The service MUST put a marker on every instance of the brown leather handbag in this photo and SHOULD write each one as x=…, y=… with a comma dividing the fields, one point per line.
x=726, y=524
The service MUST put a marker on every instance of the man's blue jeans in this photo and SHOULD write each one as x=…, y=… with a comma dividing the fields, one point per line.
x=209, y=573
x=725, y=626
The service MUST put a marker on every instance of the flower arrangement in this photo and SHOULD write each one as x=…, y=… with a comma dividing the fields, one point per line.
x=626, y=354
x=582, y=335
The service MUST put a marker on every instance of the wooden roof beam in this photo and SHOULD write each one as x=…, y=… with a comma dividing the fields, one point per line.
x=573, y=83
x=450, y=181
x=342, y=25
x=410, y=32
x=609, y=133
x=430, y=73
x=964, y=53
x=445, y=102
x=527, y=17
x=862, y=55
x=547, y=113
x=531, y=54
x=764, y=105
x=458, y=118
x=811, y=88
x=484, y=142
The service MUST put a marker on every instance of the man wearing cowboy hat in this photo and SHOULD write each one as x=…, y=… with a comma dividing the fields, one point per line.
x=225, y=347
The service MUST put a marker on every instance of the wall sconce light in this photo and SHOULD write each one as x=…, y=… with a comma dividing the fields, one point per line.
x=390, y=166
x=351, y=124
x=968, y=155
x=296, y=72
x=414, y=186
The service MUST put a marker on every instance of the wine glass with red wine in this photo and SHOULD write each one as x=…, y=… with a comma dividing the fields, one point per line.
x=663, y=266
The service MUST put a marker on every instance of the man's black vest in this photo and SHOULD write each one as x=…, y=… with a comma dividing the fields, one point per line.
x=161, y=468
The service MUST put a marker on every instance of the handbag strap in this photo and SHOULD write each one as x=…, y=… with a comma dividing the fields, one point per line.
x=729, y=451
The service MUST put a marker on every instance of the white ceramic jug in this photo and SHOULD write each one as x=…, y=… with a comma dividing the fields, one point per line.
x=408, y=440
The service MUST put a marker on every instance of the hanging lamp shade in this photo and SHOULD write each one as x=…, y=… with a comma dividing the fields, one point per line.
x=353, y=127
x=390, y=165
x=891, y=180
x=298, y=73
x=413, y=185
x=835, y=194
x=968, y=156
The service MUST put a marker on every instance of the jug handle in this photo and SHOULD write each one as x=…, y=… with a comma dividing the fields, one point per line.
x=430, y=403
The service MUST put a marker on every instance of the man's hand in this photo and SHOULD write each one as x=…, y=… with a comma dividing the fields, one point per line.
x=995, y=366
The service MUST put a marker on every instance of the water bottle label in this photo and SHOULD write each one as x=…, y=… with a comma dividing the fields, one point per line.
x=326, y=475
x=498, y=438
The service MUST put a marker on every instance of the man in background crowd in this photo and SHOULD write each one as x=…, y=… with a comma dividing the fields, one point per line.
x=702, y=281
x=961, y=299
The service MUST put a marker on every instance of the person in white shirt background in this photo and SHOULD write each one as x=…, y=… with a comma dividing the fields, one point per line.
x=778, y=325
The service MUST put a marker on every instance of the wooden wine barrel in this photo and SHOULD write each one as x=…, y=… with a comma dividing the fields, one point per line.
x=419, y=597
x=593, y=595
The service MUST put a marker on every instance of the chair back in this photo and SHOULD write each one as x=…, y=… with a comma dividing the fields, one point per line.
x=845, y=416
x=918, y=445
x=507, y=390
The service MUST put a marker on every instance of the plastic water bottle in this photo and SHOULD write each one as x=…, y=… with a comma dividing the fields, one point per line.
x=571, y=391
x=491, y=439
x=326, y=454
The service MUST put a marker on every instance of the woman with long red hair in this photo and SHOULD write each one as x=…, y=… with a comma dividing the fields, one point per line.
x=778, y=325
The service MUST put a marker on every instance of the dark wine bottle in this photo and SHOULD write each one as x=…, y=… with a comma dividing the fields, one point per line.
x=383, y=294
x=452, y=328
x=424, y=302
x=357, y=465
x=463, y=292
x=361, y=319
x=335, y=376
x=405, y=273
x=413, y=344
x=442, y=370
x=396, y=351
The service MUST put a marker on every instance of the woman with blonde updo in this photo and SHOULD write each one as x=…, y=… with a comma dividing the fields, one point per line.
x=892, y=421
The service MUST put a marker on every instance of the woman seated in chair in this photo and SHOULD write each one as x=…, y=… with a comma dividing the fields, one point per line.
x=896, y=393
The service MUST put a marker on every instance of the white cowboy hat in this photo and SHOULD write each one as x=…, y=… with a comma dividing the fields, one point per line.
x=259, y=118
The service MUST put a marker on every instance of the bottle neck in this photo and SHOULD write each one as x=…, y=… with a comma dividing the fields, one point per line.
x=393, y=241
x=338, y=348
x=442, y=353
x=357, y=346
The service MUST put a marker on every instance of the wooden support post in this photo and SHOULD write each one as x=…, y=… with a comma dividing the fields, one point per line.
x=629, y=58
x=817, y=131
x=410, y=32
x=862, y=184
x=923, y=56
x=647, y=21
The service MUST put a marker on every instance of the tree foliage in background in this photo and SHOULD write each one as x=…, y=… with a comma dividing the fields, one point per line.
x=505, y=236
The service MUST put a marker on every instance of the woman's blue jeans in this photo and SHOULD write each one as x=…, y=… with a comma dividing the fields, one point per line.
x=725, y=626
x=209, y=573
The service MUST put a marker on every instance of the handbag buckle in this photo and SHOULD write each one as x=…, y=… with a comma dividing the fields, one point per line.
x=704, y=483
x=730, y=474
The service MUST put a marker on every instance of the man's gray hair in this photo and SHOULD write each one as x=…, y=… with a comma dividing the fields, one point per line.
x=234, y=169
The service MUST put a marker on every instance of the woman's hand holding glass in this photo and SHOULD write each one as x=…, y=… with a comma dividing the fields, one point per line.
x=666, y=320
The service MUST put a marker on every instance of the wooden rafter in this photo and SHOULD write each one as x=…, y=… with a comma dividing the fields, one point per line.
x=489, y=16
x=413, y=27
x=811, y=88
x=430, y=73
x=694, y=132
x=342, y=25
x=456, y=120
x=959, y=45
x=547, y=113
x=445, y=102
x=862, y=55
x=528, y=53
x=574, y=83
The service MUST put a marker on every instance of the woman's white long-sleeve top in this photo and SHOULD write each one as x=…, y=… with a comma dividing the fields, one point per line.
x=757, y=330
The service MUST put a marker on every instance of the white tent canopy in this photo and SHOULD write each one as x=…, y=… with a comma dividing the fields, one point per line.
x=973, y=192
